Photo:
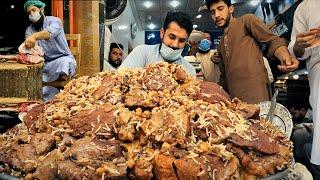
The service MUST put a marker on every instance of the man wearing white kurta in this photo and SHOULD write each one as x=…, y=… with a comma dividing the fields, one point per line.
x=305, y=45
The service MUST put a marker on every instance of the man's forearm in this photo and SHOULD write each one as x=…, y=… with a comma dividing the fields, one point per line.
x=42, y=35
x=298, y=51
x=281, y=52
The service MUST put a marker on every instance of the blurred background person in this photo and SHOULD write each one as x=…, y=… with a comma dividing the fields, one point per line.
x=209, y=69
x=115, y=57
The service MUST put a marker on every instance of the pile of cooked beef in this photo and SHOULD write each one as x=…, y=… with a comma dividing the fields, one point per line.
x=152, y=123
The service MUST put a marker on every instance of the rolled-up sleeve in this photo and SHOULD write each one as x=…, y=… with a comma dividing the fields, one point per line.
x=54, y=27
x=262, y=34
x=28, y=32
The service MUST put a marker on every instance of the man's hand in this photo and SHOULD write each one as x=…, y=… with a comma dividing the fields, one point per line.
x=30, y=42
x=216, y=57
x=288, y=63
x=305, y=40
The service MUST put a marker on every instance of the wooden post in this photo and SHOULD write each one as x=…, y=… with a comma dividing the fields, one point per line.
x=88, y=26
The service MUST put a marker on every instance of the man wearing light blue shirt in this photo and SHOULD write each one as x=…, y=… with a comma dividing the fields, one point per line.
x=47, y=32
x=174, y=35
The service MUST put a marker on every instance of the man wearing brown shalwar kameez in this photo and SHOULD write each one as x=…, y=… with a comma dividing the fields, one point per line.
x=242, y=55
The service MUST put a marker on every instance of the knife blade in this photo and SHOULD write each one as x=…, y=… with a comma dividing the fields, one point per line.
x=272, y=106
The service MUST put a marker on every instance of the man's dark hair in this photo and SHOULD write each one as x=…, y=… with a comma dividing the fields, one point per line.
x=210, y=2
x=115, y=45
x=183, y=20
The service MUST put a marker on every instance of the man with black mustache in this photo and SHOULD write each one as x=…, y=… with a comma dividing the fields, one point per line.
x=115, y=57
x=242, y=56
x=174, y=35
x=48, y=32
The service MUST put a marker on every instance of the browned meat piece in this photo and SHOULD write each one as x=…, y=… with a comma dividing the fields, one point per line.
x=48, y=168
x=266, y=165
x=86, y=151
x=157, y=79
x=167, y=149
x=163, y=168
x=260, y=141
x=246, y=110
x=244, y=158
x=189, y=169
x=212, y=93
x=43, y=143
x=94, y=153
x=143, y=170
x=178, y=126
x=168, y=127
x=254, y=163
x=117, y=169
x=33, y=115
x=222, y=169
x=106, y=86
x=139, y=98
x=100, y=120
x=26, y=155
x=206, y=167
x=180, y=74
x=46, y=172
x=21, y=157
x=70, y=171
x=143, y=139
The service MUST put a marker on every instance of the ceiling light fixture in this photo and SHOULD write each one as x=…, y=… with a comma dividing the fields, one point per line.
x=195, y=26
x=151, y=26
x=174, y=3
x=12, y=6
x=254, y=2
x=199, y=16
x=147, y=4
x=295, y=76
x=269, y=1
x=123, y=27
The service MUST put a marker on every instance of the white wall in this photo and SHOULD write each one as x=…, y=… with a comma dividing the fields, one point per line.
x=121, y=30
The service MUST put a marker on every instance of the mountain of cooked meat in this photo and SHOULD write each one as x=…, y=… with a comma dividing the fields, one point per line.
x=156, y=122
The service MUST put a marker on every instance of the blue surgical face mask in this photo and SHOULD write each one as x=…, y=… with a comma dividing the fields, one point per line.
x=170, y=54
x=204, y=45
x=35, y=16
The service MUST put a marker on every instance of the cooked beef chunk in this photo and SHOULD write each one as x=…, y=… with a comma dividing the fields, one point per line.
x=143, y=170
x=212, y=93
x=43, y=143
x=99, y=120
x=163, y=168
x=106, y=86
x=259, y=140
x=33, y=115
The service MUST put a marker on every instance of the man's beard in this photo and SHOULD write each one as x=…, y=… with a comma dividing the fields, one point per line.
x=227, y=21
x=114, y=64
x=39, y=24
